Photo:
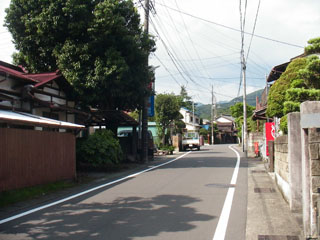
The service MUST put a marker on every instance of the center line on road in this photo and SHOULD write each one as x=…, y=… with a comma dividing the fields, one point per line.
x=87, y=191
x=224, y=217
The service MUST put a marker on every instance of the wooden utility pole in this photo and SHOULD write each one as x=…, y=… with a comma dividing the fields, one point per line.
x=144, y=134
x=243, y=68
x=245, y=127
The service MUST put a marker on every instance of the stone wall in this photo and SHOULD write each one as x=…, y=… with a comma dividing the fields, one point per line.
x=281, y=165
x=314, y=153
x=281, y=157
x=254, y=137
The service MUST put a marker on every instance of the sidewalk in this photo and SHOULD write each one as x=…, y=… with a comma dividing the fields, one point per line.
x=268, y=215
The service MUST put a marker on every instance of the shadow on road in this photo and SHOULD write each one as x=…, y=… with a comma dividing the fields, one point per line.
x=124, y=218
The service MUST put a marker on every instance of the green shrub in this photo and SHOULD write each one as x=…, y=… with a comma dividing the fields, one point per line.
x=168, y=148
x=310, y=73
x=99, y=149
x=302, y=94
x=290, y=106
x=298, y=83
x=276, y=97
x=284, y=124
x=314, y=46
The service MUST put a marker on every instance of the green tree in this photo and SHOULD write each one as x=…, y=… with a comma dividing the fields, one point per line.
x=204, y=132
x=276, y=97
x=313, y=47
x=237, y=110
x=167, y=107
x=237, y=113
x=99, y=46
x=185, y=99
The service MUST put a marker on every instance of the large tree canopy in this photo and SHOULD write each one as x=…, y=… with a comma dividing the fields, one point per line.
x=98, y=45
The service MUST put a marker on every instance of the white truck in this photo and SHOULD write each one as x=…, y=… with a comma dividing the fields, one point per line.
x=191, y=140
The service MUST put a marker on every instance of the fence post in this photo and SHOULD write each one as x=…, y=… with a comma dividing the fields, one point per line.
x=271, y=155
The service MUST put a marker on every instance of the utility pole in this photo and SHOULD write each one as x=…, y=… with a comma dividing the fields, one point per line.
x=243, y=67
x=144, y=136
x=212, y=116
x=245, y=128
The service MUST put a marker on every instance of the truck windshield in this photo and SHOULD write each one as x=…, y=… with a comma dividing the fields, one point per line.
x=191, y=135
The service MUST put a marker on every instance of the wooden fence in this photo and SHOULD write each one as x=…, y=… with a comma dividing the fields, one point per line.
x=29, y=157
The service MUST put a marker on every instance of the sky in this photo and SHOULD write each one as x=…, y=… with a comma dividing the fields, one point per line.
x=198, y=43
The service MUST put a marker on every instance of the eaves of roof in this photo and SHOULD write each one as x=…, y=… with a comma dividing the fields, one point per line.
x=276, y=71
x=21, y=118
x=16, y=74
x=44, y=78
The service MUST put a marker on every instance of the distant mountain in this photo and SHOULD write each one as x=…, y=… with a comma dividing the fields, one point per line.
x=251, y=99
x=204, y=111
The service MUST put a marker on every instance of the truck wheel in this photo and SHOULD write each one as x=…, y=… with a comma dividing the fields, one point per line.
x=198, y=148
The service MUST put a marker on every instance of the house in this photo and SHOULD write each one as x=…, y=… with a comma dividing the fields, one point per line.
x=37, y=128
x=227, y=132
x=191, y=120
x=261, y=105
x=44, y=94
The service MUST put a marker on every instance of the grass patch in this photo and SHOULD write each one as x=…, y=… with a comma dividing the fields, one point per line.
x=18, y=195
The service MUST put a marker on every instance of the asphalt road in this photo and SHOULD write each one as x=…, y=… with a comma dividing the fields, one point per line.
x=180, y=200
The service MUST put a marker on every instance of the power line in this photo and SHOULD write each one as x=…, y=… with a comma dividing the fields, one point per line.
x=171, y=56
x=183, y=44
x=197, y=54
x=167, y=70
x=204, y=59
x=231, y=28
x=254, y=27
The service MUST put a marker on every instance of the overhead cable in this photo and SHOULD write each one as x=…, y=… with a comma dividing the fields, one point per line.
x=231, y=28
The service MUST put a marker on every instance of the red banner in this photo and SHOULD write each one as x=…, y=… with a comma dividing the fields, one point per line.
x=270, y=134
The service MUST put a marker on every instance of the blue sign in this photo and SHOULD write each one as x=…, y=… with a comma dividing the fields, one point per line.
x=151, y=106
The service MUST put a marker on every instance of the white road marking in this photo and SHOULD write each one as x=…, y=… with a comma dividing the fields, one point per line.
x=224, y=217
x=87, y=191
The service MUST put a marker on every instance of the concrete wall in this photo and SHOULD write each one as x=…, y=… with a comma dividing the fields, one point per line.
x=254, y=137
x=281, y=165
